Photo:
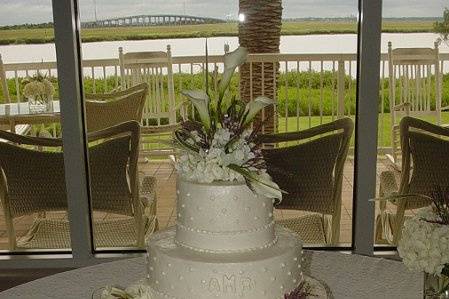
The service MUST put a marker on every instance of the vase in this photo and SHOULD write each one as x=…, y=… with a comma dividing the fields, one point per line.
x=436, y=287
x=40, y=104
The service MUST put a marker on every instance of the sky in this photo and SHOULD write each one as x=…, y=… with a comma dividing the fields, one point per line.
x=39, y=11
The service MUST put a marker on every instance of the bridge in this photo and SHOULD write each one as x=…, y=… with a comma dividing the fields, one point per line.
x=151, y=20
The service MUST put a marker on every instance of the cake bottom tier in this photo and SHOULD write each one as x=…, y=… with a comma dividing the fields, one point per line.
x=181, y=273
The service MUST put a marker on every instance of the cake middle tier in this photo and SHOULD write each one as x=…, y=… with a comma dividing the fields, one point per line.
x=223, y=217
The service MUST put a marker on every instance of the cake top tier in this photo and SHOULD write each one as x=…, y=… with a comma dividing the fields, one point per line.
x=223, y=216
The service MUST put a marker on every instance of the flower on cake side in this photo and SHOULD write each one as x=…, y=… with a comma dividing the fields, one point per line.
x=303, y=291
x=222, y=145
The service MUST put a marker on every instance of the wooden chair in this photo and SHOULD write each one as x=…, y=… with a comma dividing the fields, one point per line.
x=32, y=182
x=414, y=89
x=159, y=113
x=309, y=166
x=107, y=110
x=425, y=146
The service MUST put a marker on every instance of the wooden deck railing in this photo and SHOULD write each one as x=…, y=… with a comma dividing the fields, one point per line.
x=308, y=101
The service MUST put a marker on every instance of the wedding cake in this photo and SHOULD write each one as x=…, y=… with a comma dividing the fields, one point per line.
x=225, y=245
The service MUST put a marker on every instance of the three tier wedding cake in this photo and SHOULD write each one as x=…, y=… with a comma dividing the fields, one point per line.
x=225, y=243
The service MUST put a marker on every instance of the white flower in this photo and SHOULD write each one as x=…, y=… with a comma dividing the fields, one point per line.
x=424, y=245
x=206, y=167
x=43, y=89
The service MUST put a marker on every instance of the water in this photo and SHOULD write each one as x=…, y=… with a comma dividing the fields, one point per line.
x=340, y=43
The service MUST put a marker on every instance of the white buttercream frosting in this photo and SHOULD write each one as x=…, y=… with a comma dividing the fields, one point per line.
x=225, y=245
x=223, y=217
x=179, y=273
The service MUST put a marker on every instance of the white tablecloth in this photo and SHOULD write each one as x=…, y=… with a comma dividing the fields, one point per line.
x=346, y=276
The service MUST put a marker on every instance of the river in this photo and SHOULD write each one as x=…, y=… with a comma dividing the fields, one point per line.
x=337, y=43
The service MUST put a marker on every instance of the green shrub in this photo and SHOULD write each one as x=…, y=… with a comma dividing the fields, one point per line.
x=303, y=93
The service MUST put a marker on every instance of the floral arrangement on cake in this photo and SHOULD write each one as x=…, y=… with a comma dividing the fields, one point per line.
x=222, y=145
x=424, y=245
x=38, y=88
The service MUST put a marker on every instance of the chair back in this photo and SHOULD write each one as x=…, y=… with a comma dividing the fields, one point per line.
x=414, y=75
x=33, y=180
x=425, y=162
x=155, y=69
x=310, y=165
x=4, y=82
x=414, y=86
x=107, y=110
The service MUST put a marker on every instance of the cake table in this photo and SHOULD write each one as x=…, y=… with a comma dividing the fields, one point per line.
x=344, y=275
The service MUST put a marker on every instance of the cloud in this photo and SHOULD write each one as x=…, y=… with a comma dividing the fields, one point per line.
x=37, y=11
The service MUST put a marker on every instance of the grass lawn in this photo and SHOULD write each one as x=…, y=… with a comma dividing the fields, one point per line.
x=45, y=35
x=384, y=125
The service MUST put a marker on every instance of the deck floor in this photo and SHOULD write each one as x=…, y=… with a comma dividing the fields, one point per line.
x=166, y=193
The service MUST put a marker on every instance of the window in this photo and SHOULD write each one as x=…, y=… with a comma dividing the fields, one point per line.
x=414, y=74
x=33, y=213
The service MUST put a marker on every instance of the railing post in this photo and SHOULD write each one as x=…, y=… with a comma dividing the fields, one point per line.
x=341, y=89
x=438, y=84
x=171, y=88
x=4, y=82
x=122, y=68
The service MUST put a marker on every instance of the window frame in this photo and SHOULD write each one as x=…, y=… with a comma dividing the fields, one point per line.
x=68, y=49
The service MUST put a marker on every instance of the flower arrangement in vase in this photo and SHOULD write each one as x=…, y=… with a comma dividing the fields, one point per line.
x=39, y=92
x=222, y=145
x=424, y=245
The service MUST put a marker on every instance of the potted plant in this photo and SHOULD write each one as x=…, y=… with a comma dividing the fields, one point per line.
x=39, y=92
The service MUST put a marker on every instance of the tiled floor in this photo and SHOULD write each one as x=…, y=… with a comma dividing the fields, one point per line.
x=166, y=178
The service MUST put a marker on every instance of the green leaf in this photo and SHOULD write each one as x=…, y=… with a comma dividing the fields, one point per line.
x=396, y=197
x=184, y=144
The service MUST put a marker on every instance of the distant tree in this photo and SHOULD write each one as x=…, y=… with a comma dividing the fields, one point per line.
x=442, y=28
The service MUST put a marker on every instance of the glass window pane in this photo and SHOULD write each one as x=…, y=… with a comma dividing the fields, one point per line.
x=33, y=212
x=413, y=83
x=314, y=85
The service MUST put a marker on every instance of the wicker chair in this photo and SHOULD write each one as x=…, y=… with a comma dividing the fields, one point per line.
x=33, y=183
x=425, y=146
x=310, y=168
x=106, y=110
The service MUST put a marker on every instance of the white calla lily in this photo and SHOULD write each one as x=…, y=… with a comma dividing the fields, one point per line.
x=253, y=107
x=200, y=100
x=231, y=61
